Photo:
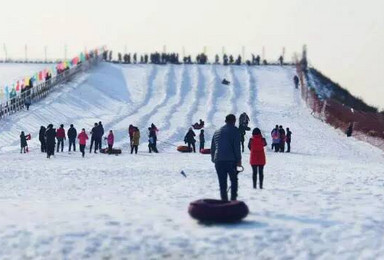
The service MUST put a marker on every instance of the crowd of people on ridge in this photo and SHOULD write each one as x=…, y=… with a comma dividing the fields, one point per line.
x=174, y=58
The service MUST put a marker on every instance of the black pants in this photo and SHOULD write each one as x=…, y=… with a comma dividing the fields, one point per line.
x=282, y=147
x=288, y=147
x=134, y=148
x=277, y=147
x=201, y=146
x=43, y=146
x=242, y=143
x=259, y=168
x=193, y=148
x=50, y=149
x=72, y=142
x=224, y=169
x=23, y=149
x=110, y=149
x=94, y=141
x=60, y=141
x=99, y=141
x=152, y=148
x=82, y=149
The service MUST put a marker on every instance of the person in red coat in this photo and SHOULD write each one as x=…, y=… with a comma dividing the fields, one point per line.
x=60, y=136
x=83, y=137
x=257, y=159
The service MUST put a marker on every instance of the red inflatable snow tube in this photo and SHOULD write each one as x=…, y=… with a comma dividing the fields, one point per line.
x=211, y=210
x=205, y=151
x=184, y=149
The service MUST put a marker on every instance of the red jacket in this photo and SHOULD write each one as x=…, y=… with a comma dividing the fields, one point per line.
x=83, y=137
x=60, y=133
x=256, y=144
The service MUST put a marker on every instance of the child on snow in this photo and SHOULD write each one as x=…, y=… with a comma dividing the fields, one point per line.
x=110, y=140
x=83, y=137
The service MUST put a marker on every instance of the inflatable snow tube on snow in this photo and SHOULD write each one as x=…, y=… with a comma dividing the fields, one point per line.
x=114, y=151
x=198, y=127
x=205, y=151
x=211, y=210
x=184, y=149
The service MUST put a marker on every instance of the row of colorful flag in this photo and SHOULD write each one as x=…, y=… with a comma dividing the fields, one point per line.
x=10, y=91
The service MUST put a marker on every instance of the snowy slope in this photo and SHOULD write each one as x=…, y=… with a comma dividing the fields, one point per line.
x=324, y=200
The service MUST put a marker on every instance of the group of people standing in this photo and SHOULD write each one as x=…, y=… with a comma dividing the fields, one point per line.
x=50, y=136
x=280, y=137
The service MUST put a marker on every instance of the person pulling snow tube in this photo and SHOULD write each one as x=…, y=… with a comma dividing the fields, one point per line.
x=184, y=149
x=205, y=151
x=211, y=210
x=114, y=151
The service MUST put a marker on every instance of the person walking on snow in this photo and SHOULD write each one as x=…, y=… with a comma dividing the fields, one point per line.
x=72, y=134
x=50, y=135
x=288, y=140
x=42, y=139
x=135, y=140
x=83, y=137
x=23, y=142
x=202, y=140
x=257, y=158
x=282, y=139
x=226, y=155
x=275, y=134
x=190, y=140
x=60, y=135
x=110, y=141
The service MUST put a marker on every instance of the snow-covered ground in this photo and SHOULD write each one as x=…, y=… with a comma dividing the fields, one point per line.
x=323, y=201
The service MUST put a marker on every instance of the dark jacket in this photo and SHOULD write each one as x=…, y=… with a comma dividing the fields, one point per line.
x=42, y=133
x=50, y=134
x=101, y=130
x=23, y=140
x=288, y=136
x=72, y=133
x=96, y=133
x=226, y=144
x=190, y=137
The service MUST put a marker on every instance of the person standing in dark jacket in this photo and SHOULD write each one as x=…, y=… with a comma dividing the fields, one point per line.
x=94, y=138
x=72, y=135
x=50, y=135
x=101, y=133
x=190, y=140
x=202, y=140
x=23, y=142
x=60, y=135
x=282, y=139
x=288, y=140
x=42, y=139
x=226, y=155
x=242, y=131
